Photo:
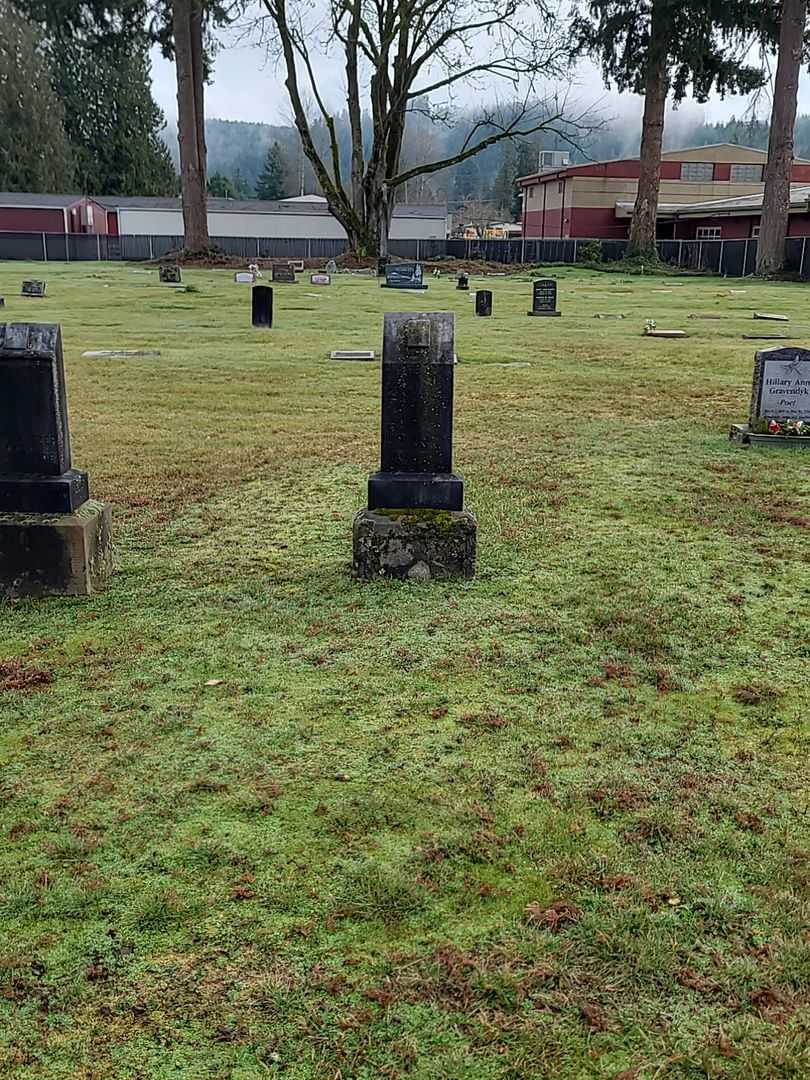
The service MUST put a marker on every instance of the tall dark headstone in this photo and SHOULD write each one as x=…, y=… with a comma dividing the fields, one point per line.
x=169, y=275
x=544, y=298
x=283, y=274
x=404, y=276
x=483, y=302
x=262, y=307
x=463, y=282
x=779, y=412
x=53, y=538
x=415, y=525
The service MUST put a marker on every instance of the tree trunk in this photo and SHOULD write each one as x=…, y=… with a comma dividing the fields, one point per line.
x=645, y=211
x=776, y=199
x=189, y=61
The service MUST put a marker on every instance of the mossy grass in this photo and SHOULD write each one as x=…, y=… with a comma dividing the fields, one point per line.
x=262, y=820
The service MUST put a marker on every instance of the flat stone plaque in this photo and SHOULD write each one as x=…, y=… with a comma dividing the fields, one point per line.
x=320, y=279
x=284, y=274
x=353, y=354
x=781, y=385
x=34, y=288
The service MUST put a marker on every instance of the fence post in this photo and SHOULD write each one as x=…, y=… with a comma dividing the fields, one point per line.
x=151, y=252
x=309, y=247
x=418, y=250
x=680, y=253
x=44, y=247
x=720, y=264
x=67, y=247
x=745, y=258
x=801, y=264
x=575, y=252
x=98, y=247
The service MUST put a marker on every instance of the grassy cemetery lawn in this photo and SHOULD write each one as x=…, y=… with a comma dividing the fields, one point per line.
x=261, y=820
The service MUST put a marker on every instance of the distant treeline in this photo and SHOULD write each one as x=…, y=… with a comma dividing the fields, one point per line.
x=238, y=151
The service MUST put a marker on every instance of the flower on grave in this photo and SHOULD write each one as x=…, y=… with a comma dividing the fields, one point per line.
x=774, y=427
x=649, y=326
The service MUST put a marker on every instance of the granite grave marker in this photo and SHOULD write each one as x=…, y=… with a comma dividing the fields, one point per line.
x=283, y=274
x=779, y=411
x=414, y=525
x=53, y=538
x=34, y=288
x=169, y=275
x=483, y=302
x=463, y=282
x=544, y=298
x=262, y=307
x=404, y=276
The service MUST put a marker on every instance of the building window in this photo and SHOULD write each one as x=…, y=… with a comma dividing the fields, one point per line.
x=561, y=186
x=746, y=174
x=697, y=171
x=708, y=232
x=755, y=232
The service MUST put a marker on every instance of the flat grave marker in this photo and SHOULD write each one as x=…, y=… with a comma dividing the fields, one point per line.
x=244, y=277
x=169, y=275
x=320, y=279
x=353, y=354
x=768, y=317
x=34, y=288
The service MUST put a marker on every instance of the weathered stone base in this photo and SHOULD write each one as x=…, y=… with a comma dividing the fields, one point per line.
x=414, y=545
x=743, y=436
x=545, y=314
x=56, y=554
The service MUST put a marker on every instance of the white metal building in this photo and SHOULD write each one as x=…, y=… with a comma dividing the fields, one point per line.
x=290, y=218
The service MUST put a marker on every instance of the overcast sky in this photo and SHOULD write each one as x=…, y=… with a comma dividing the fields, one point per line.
x=246, y=87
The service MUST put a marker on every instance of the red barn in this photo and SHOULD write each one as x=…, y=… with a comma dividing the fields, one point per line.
x=65, y=214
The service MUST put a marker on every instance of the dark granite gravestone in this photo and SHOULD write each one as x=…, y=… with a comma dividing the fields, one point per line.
x=35, y=466
x=544, y=298
x=483, y=302
x=2, y=301
x=283, y=274
x=415, y=525
x=53, y=539
x=382, y=263
x=169, y=275
x=33, y=288
x=404, y=276
x=463, y=282
x=262, y=307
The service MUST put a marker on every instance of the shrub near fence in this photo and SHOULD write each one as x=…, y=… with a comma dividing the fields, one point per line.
x=734, y=258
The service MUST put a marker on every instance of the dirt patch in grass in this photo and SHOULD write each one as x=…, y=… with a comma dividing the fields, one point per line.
x=21, y=675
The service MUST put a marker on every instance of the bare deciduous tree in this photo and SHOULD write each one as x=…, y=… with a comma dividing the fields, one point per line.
x=414, y=55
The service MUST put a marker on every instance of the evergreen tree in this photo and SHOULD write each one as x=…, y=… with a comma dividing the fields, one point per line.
x=221, y=187
x=111, y=118
x=660, y=47
x=34, y=152
x=272, y=184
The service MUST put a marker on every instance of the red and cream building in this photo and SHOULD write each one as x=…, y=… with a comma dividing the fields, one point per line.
x=703, y=189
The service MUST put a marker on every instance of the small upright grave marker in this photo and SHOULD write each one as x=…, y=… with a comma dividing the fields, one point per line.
x=283, y=274
x=169, y=275
x=320, y=279
x=262, y=307
x=297, y=265
x=463, y=283
x=244, y=277
x=415, y=526
x=53, y=539
x=404, y=276
x=483, y=302
x=544, y=298
x=779, y=413
x=331, y=267
x=34, y=288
